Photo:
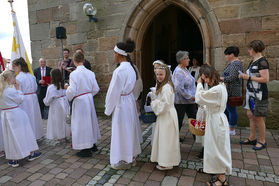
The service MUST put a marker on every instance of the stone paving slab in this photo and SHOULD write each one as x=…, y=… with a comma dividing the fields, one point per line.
x=59, y=165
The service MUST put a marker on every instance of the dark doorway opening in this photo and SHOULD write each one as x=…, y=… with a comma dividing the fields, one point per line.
x=169, y=31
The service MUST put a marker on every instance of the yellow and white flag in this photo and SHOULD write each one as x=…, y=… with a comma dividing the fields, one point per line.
x=18, y=49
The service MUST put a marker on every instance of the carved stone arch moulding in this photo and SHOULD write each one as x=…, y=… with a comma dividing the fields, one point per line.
x=143, y=12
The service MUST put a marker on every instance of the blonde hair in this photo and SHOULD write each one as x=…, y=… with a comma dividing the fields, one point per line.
x=3, y=79
x=167, y=79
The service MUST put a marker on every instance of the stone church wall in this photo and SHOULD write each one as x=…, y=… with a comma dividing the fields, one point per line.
x=239, y=21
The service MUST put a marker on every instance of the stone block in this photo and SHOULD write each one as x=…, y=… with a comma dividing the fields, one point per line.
x=106, y=8
x=49, y=43
x=39, y=32
x=270, y=22
x=95, y=34
x=32, y=17
x=240, y=25
x=36, y=49
x=259, y=8
x=272, y=51
x=51, y=53
x=217, y=3
x=110, y=22
x=111, y=33
x=44, y=15
x=76, y=12
x=85, y=26
x=107, y=43
x=267, y=37
x=76, y=38
x=227, y=12
x=234, y=39
x=43, y=4
x=53, y=25
x=62, y=13
x=71, y=27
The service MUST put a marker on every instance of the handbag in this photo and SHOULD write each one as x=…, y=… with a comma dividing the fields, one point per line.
x=236, y=101
x=258, y=107
x=147, y=115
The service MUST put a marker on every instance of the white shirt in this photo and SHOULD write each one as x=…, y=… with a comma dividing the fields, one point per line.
x=43, y=72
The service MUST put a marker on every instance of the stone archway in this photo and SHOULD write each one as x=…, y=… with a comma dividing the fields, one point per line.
x=143, y=12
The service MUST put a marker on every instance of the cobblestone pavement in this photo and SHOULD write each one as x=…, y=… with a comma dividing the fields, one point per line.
x=60, y=166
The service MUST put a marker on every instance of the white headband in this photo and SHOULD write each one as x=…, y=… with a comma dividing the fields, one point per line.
x=119, y=51
x=158, y=62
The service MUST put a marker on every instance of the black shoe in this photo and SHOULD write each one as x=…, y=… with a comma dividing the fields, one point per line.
x=248, y=142
x=201, y=154
x=94, y=148
x=84, y=153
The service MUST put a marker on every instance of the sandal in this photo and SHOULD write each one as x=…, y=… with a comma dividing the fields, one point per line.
x=213, y=181
x=263, y=145
x=248, y=142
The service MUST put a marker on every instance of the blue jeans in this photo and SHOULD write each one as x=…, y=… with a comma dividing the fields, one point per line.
x=231, y=114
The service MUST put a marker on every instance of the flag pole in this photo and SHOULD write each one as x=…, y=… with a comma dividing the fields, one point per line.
x=11, y=3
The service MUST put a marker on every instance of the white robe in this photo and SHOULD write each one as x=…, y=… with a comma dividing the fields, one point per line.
x=59, y=108
x=1, y=136
x=120, y=102
x=217, y=147
x=165, y=145
x=84, y=121
x=30, y=104
x=19, y=139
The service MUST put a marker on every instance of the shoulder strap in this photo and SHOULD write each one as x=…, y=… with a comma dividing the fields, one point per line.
x=254, y=90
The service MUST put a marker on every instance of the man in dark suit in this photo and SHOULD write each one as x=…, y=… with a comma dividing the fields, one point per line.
x=42, y=74
x=86, y=63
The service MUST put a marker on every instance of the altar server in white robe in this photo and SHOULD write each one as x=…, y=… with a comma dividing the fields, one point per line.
x=59, y=108
x=2, y=153
x=30, y=102
x=217, y=148
x=84, y=122
x=165, y=145
x=19, y=140
x=120, y=102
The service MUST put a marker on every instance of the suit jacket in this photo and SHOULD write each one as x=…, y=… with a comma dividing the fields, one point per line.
x=41, y=91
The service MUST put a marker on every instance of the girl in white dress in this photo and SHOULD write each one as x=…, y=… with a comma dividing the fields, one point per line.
x=19, y=139
x=27, y=84
x=2, y=153
x=217, y=148
x=59, y=108
x=120, y=102
x=84, y=121
x=165, y=145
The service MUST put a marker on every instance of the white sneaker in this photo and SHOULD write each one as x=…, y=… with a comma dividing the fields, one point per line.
x=232, y=132
x=121, y=166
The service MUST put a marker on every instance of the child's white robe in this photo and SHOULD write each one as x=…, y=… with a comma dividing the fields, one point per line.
x=120, y=102
x=19, y=139
x=165, y=145
x=1, y=136
x=30, y=104
x=84, y=122
x=217, y=147
x=59, y=108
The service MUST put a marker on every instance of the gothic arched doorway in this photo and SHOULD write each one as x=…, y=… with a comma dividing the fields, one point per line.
x=198, y=14
x=169, y=31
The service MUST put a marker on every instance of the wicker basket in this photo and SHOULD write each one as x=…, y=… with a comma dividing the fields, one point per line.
x=193, y=129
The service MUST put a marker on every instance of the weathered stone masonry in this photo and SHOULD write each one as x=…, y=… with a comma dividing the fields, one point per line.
x=222, y=23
